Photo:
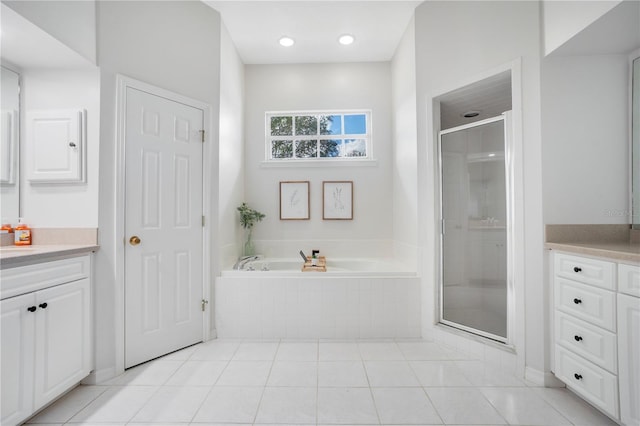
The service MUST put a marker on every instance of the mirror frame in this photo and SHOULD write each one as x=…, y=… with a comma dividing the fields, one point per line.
x=635, y=139
x=15, y=149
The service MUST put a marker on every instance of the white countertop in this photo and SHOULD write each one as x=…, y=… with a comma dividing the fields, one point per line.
x=11, y=256
x=621, y=251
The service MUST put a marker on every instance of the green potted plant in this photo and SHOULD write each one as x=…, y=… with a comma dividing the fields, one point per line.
x=248, y=218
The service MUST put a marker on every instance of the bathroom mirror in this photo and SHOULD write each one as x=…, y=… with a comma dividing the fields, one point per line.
x=635, y=147
x=10, y=145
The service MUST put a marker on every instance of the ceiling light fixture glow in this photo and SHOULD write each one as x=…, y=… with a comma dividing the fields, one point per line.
x=286, y=41
x=346, y=39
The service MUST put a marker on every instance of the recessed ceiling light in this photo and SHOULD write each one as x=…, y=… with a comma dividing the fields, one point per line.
x=286, y=41
x=346, y=39
x=470, y=114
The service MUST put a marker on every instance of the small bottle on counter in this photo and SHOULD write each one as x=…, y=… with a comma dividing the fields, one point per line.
x=22, y=234
x=6, y=228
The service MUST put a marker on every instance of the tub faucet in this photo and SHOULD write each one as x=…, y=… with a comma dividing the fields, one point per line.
x=244, y=260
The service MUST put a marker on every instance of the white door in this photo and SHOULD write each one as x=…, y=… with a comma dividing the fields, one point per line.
x=163, y=226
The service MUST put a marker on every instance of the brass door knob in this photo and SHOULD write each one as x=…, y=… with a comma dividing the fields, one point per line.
x=134, y=241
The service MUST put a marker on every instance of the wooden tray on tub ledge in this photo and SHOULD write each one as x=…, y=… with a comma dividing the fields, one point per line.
x=320, y=267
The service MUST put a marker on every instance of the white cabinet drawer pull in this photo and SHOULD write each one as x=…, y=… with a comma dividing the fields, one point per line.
x=577, y=301
x=577, y=269
x=578, y=338
x=577, y=376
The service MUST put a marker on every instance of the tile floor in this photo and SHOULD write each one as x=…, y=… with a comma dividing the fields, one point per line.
x=318, y=382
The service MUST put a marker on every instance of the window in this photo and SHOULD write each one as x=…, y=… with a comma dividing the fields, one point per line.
x=318, y=135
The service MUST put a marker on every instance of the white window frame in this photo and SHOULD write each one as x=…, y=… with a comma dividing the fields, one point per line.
x=319, y=160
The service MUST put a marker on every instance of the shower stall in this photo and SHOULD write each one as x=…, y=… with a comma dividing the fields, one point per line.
x=475, y=281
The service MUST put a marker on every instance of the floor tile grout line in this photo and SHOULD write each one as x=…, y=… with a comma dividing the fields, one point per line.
x=317, y=379
x=264, y=388
x=77, y=411
x=480, y=388
x=366, y=373
x=214, y=383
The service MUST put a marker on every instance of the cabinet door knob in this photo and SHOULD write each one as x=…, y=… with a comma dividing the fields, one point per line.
x=31, y=309
x=72, y=144
x=43, y=305
x=577, y=269
x=134, y=241
x=578, y=376
x=578, y=338
x=577, y=301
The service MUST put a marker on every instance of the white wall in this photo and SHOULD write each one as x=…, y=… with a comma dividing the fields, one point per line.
x=174, y=45
x=405, y=172
x=585, y=139
x=71, y=22
x=231, y=178
x=502, y=33
x=564, y=19
x=320, y=87
x=62, y=205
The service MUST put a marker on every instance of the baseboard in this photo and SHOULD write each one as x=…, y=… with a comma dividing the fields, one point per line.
x=551, y=381
x=534, y=376
x=540, y=378
x=97, y=377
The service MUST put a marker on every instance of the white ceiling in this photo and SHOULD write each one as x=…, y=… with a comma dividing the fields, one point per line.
x=26, y=46
x=256, y=26
x=615, y=33
x=490, y=97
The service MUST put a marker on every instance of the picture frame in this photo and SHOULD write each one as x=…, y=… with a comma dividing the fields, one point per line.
x=294, y=200
x=337, y=200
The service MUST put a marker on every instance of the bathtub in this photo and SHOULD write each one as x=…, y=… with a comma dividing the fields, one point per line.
x=339, y=267
x=355, y=298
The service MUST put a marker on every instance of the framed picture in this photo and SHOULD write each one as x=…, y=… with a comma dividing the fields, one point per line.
x=337, y=200
x=294, y=200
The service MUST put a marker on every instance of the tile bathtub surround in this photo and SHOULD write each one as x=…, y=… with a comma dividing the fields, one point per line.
x=318, y=382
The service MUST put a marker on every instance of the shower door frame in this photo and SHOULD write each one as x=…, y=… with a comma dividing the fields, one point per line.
x=510, y=214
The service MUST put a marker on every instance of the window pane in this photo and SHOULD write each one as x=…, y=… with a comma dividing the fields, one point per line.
x=355, y=124
x=306, y=125
x=330, y=148
x=330, y=124
x=281, y=126
x=355, y=148
x=307, y=149
x=281, y=149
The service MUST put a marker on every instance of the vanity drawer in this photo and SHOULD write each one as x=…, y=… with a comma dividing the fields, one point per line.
x=591, y=304
x=25, y=279
x=596, y=385
x=594, y=272
x=629, y=279
x=591, y=342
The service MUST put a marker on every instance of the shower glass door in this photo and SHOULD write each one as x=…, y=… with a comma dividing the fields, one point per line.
x=474, y=284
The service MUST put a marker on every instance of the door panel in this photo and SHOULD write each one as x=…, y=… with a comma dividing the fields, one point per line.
x=17, y=340
x=163, y=272
x=63, y=339
x=474, y=211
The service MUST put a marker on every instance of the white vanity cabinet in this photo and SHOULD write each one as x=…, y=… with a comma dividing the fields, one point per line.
x=597, y=332
x=629, y=343
x=46, y=334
